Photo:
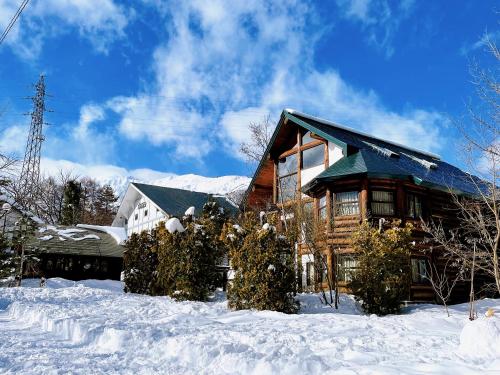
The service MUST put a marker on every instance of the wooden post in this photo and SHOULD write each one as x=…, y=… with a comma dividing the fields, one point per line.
x=299, y=163
x=363, y=199
x=328, y=212
x=275, y=182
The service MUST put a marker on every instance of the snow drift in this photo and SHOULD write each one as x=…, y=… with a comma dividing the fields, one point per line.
x=93, y=327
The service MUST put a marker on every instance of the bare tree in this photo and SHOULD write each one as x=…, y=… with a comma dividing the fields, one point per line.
x=260, y=135
x=443, y=281
x=474, y=244
x=51, y=195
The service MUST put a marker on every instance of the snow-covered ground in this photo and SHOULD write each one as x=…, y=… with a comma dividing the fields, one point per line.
x=92, y=327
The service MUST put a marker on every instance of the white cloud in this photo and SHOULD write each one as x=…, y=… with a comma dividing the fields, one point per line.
x=13, y=140
x=226, y=64
x=101, y=22
x=380, y=19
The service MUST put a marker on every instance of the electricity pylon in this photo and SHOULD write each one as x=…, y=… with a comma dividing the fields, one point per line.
x=30, y=172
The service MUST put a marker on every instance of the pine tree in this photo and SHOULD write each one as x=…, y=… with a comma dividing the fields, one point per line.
x=382, y=279
x=9, y=261
x=187, y=261
x=139, y=262
x=262, y=260
x=72, y=209
x=105, y=205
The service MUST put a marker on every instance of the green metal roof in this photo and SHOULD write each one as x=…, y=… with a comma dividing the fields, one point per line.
x=363, y=162
x=362, y=156
x=176, y=201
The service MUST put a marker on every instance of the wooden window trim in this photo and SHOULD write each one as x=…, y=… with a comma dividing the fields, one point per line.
x=335, y=203
x=394, y=201
x=300, y=148
x=407, y=208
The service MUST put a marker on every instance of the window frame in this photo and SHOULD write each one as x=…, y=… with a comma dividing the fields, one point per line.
x=392, y=202
x=412, y=197
x=322, y=208
x=342, y=272
x=311, y=146
x=419, y=278
x=337, y=205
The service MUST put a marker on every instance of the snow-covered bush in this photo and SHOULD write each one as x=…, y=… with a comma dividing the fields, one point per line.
x=188, y=258
x=139, y=262
x=262, y=260
x=382, y=279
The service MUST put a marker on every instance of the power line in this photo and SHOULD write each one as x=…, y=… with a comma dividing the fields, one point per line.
x=13, y=20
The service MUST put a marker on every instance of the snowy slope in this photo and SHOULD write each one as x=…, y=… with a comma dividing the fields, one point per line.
x=91, y=327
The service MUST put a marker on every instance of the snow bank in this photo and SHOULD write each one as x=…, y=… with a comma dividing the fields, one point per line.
x=174, y=225
x=77, y=327
x=480, y=338
x=118, y=233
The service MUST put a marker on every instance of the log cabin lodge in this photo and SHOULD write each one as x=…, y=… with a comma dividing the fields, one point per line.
x=348, y=176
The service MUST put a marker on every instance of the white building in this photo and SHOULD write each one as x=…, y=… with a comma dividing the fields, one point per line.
x=144, y=206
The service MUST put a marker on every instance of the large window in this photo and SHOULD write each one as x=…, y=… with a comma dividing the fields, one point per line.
x=419, y=272
x=287, y=178
x=307, y=138
x=314, y=156
x=347, y=265
x=413, y=206
x=346, y=203
x=382, y=203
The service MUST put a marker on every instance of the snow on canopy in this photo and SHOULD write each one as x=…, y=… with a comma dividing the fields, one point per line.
x=118, y=233
x=174, y=225
x=190, y=211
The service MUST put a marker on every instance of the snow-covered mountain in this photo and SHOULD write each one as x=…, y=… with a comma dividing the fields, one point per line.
x=213, y=185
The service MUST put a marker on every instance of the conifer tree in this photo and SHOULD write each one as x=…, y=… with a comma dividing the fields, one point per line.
x=262, y=261
x=188, y=259
x=382, y=279
x=71, y=212
x=140, y=262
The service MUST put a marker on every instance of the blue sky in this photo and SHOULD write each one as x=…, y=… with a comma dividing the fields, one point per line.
x=150, y=87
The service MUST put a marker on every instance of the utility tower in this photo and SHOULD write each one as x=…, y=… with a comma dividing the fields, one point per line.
x=30, y=173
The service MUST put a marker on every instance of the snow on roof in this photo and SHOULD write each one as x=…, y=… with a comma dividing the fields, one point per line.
x=118, y=233
x=326, y=122
x=382, y=150
x=427, y=164
x=14, y=204
x=63, y=234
